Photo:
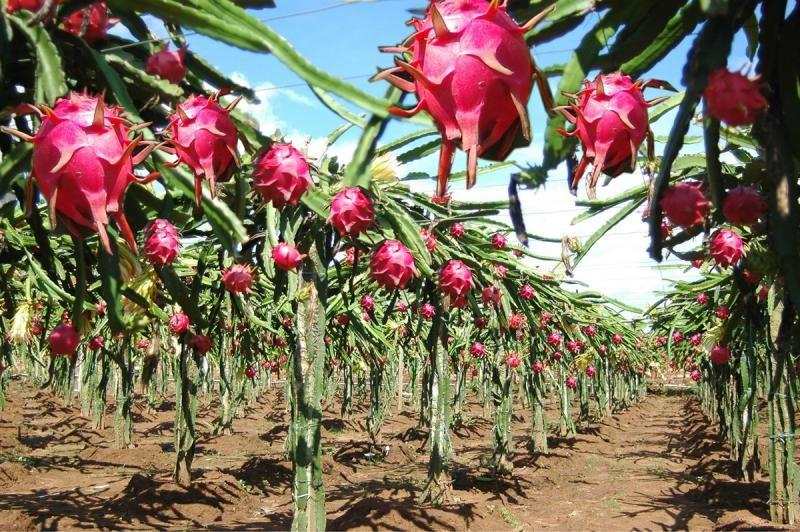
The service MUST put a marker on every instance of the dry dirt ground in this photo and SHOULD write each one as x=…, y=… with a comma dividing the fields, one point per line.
x=656, y=466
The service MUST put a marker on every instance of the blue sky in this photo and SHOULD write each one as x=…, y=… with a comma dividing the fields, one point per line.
x=343, y=38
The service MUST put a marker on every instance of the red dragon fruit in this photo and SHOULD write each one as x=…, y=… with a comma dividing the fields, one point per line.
x=64, y=339
x=696, y=339
x=558, y=355
x=720, y=355
x=205, y=138
x=733, y=98
x=473, y=73
x=610, y=118
x=590, y=371
x=480, y=322
x=573, y=347
x=538, y=367
x=571, y=382
x=281, y=175
x=616, y=339
x=723, y=312
x=513, y=360
x=342, y=319
x=727, y=247
x=695, y=375
x=500, y=271
x=702, y=298
x=677, y=337
x=179, y=323
x=499, y=241
x=744, y=206
x=527, y=292
x=83, y=161
x=201, y=343
x=517, y=322
x=751, y=277
x=401, y=307
x=477, y=349
x=697, y=263
x=143, y=344
x=392, y=265
x=162, y=243
x=367, y=302
x=457, y=230
x=685, y=205
x=427, y=311
x=591, y=331
x=763, y=293
x=96, y=343
x=352, y=212
x=554, y=339
x=286, y=256
x=168, y=65
x=429, y=238
x=492, y=295
x=238, y=278
x=27, y=5
x=455, y=279
x=91, y=23
x=250, y=372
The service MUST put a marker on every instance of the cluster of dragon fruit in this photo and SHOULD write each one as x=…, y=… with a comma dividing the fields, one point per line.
x=471, y=69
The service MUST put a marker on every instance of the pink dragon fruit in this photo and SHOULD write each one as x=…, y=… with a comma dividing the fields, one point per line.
x=527, y=292
x=91, y=23
x=677, y=337
x=367, y=302
x=281, y=175
x=480, y=322
x=392, y=265
x=573, y=347
x=83, y=162
x=200, y=343
x=723, y=312
x=499, y=241
x=96, y=343
x=751, y=277
x=590, y=371
x=500, y=271
x=744, y=206
x=162, y=243
x=696, y=339
x=727, y=247
x=733, y=98
x=591, y=331
x=455, y=279
x=720, y=355
x=558, y=355
x=538, y=367
x=457, y=230
x=64, y=340
x=238, y=278
x=571, y=382
x=342, y=319
x=610, y=118
x=616, y=339
x=427, y=311
x=168, y=65
x=179, y=323
x=492, y=295
x=205, y=138
x=401, y=307
x=473, y=73
x=695, y=375
x=143, y=344
x=513, y=360
x=250, y=372
x=286, y=256
x=702, y=298
x=429, y=238
x=26, y=5
x=477, y=349
x=763, y=293
x=517, y=322
x=697, y=263
x=554, y=339
x=685, y=205
x=352, y=212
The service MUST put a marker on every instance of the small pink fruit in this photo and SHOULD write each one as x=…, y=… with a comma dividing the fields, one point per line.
x=352, y=212
x=427, y=311
x=499, y=241
x=401, y=307
x=557, y=355
x=143, y=344
x=616, y=339
x=250, y=372
x=572, y=382
x=500, y=271
x=723, y=312
x=727, y=247
x=367, y=302
x=527, y=292
x=457, y=230
x=480, y=322
x=201, y=343
x=697, y=263
x=720, y=355
x=492, y=295
x=455, y=279
x=590, y=371
x=517, y=322
x=341, y=319
x=477, y=349
x=591, y=331
x=763, y=293
x=538, y=367
x=733, y=98
x=685, y=205
x=179, y=323
x=281, y=175
x=513, y=360
x=238, y=278
x=168, y=65
x=64, y=340
x=392, y=265
x=96, y=343
x=702, y=298
x=751, y=277
x=286, y=257
x=554, y=339
x=744, y=206
x=677, y=337
x=695, y=375
x=162, y=243
x=91, y=23
x=696, y=339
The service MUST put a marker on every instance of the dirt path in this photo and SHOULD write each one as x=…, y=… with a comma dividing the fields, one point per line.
x=655, y=466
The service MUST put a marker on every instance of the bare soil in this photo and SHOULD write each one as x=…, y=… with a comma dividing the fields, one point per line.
x=655, y=466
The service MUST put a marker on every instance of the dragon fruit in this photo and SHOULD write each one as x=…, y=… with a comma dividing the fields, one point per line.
x=205, y=138
x=342, y=319
x=751, y=277
x=26, y=5
x=250, y=372
x=610, y=118
x=281, y=175
x=685, y=205
x=200, y=343
x=401, y=307
x=723, y=312
x=554, y=339
x=473, y=73
x=697, y=263
x=527, y=292
x=352, y=212
x=64, y=339
x=168, y=65
x=696, y=339
x=744, y=206
x=538, y=367
x=720, y=355
x=726, y=247
x=480, y=322
x=477, y=349
x=96, y=343
x=429, y=238
x=162, y=243
x=492, y=295
x=286, y=256
x=83, y=161
x=558, y=355
x=702, y=298
x=733, y=98
x=500, y=271
x=573, y=347
x=392, y=265
x=457, y=230
x=695, y=375
x=616, y=339
x=427, y=311
x=763, y=293
x=498, y=241
x=571, y=382
x=91, y=23
x=591, y=371
x=677, y=337
x=517, y=322
x=238, y=278
x=367, y=302
x=590, y=331
x=455, y=279
x=179, y=323
x=513, y=360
